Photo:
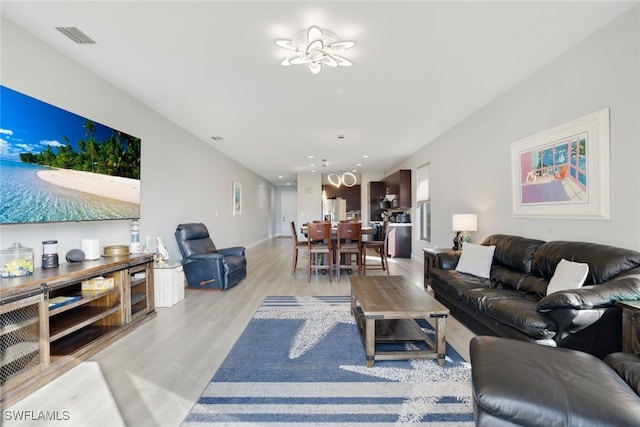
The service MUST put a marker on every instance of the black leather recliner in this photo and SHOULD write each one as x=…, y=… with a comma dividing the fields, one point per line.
x=204, y=265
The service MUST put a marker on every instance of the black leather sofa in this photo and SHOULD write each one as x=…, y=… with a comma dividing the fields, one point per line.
x=516, y=383
x=513, y=303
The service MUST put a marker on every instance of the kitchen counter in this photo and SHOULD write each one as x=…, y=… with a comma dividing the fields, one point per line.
x=394, y=224
x=400, y=235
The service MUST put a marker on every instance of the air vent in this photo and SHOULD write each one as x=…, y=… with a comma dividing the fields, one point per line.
x=76, y=35
x=216, y=138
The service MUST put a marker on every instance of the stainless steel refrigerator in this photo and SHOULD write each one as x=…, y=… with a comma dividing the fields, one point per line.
x=334, y=210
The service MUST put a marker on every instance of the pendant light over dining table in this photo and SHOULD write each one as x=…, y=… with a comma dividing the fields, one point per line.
x=347, y=179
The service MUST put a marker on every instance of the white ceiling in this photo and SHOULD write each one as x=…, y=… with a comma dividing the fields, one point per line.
x=420, y=67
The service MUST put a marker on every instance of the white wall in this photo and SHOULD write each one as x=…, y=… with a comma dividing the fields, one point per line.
x=309, y=197
x=183, y=179
x=470, y=164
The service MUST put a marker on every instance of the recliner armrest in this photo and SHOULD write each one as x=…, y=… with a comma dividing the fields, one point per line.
x=212, y=256
x=232, y=251
x=206, y=270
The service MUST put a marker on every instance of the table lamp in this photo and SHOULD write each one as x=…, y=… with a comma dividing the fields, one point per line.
x=462, y=224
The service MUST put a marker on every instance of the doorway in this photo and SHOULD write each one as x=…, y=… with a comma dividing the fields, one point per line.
x=288, y=211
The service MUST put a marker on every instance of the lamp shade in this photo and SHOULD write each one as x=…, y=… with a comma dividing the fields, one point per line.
x=464, y=222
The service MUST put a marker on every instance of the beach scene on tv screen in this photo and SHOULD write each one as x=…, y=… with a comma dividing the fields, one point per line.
x=57, y=166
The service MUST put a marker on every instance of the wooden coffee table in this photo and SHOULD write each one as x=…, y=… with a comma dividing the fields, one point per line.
x=386, y=309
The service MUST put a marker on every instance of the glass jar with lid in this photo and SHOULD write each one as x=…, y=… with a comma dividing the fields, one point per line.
x=16, y=261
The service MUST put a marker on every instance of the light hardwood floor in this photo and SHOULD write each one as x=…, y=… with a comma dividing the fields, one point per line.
x=153, y=376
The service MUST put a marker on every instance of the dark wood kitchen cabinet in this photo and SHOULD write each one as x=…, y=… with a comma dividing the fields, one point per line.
x=334, y=192
x=353, y=198
x=399, y=183
x=376, y=194
x=350, y=194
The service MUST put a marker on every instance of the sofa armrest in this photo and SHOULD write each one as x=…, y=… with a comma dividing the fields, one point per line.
x=627, y=365
x=233, y=251
x=448, y=260
x=625, y=288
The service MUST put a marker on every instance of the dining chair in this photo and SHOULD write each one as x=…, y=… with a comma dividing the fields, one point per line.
x=349, y=243
x=297, y=245
x=381, y=246
x=320, y=246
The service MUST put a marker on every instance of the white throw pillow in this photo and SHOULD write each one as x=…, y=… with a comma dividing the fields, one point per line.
x=568, y=275
x=476, y=259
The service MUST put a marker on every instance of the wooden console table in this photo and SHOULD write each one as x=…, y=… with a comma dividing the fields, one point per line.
x=431, y=261
x=40, y=341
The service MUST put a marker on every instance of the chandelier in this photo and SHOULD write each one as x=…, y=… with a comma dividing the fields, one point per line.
x=347, y=179
x=315, y=47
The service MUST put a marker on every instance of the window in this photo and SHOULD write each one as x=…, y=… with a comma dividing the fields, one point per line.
x=423, y=199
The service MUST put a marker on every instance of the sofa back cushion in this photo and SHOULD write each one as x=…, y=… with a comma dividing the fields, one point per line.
x=503, y=277
x=605, y=262
x=513, y=252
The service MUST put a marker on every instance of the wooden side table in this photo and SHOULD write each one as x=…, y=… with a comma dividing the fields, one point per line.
x=431, y=261
x=630, y=326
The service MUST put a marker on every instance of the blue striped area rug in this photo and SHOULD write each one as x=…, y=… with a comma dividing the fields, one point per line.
x=300, y=362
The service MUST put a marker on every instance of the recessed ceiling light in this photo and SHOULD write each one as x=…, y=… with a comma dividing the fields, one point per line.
x=313, y=165
x=280, y=176
x=365, y=156
x=310, y=157
x=358, y=164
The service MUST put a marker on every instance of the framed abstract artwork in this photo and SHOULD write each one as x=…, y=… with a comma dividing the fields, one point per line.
x=563, y=172
x=237, y=198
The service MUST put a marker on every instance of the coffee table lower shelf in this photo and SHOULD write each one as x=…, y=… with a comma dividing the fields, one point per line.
x=389, y=331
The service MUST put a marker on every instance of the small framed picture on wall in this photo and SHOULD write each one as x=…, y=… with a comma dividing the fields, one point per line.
x=237, y=198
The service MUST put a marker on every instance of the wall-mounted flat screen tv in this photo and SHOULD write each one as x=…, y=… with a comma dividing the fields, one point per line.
x=57, y=166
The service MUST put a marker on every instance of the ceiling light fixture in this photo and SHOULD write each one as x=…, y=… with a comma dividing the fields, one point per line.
x=347, y=179
x=315, y=47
